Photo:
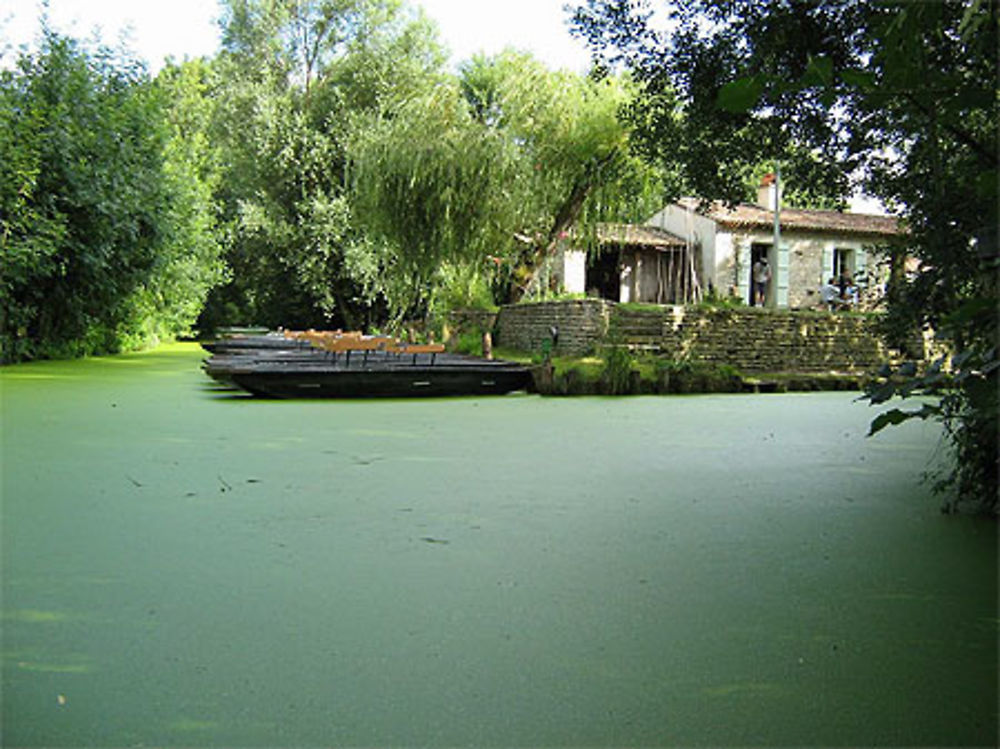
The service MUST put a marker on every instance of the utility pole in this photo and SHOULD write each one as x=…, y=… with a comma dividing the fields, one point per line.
x=772, y=287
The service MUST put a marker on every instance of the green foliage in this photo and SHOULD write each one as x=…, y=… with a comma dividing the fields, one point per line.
x=190, y=262
x=457, y=287
x=639, y=307
x=962, y=394
x=552, y=296
x=565, y=375
x=696, y=377
x=296, y=80
x=544, y=353
x=106, y=242
x=697, y=84
x=498, y=165
x=469, y=342
x=618, y=369
x=902, y=92
x=716, y=300
x=426, y=184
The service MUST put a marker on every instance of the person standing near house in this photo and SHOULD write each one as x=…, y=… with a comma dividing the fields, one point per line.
x=851, y=293
x=829, y=294
x=846, y=286
x=842, y=283
x=761, y=278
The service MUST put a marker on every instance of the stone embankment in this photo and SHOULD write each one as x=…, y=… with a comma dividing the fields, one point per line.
x=582, y=325
x=751, y=340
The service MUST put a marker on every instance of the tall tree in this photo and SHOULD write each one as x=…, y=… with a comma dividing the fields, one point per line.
x=501, y=164
x=103, y=243
x=713, y=150
x=294, y=76
x=190, y=264
x=905, y=93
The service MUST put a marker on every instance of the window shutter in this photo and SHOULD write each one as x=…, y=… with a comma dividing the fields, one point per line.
x=743, y=269
x=828, y=269
x=861, y=267
x=781, y=277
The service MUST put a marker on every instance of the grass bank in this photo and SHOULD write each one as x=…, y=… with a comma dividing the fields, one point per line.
x=616, y=371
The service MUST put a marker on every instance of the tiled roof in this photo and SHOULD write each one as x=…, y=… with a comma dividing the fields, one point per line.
x=746, y=215
x=640, y=236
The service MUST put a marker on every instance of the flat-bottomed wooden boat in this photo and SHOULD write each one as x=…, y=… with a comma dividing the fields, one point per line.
x=338, y=365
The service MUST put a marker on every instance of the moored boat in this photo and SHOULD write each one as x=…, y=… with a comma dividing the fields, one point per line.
x=352, y=366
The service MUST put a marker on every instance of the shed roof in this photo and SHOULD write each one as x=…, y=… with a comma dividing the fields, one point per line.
x=747, y=215
x=639, y=236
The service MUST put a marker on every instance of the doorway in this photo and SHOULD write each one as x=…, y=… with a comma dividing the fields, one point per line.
x=843, y=263
x=760, y=251
x=604, y=276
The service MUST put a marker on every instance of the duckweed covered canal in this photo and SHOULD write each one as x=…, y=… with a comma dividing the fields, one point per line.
x=182, y=567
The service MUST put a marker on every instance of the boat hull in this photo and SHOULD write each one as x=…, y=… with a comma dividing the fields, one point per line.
x=402, y=382
x=272, y=366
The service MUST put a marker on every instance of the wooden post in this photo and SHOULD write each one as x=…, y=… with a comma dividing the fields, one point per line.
x=488, y=346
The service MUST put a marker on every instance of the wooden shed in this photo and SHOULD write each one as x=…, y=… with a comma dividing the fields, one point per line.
x=643, y=264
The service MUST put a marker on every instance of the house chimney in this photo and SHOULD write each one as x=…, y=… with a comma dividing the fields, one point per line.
x=769, y=192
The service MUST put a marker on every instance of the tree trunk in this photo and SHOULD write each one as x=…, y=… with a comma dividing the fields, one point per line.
x=565, y=218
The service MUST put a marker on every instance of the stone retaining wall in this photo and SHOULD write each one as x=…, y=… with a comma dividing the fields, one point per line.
x=751, y=339
x=754, y=340
x=582, y=325
x=466, y=319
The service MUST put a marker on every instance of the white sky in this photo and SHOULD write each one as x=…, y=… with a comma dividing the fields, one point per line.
x=537, y=26
x=187, y=28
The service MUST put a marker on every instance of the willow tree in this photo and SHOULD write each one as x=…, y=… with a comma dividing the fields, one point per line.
x=494, y=170
x=293, y=76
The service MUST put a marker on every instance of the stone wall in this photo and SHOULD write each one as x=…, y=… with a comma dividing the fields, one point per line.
x=461, y=320
x=805, y=271
x=751, y=339
x=755, y=340
x=582, y=324
x=810, y=264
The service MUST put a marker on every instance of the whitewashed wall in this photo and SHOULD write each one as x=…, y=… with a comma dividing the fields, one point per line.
x=574, y=271
x=697, y=230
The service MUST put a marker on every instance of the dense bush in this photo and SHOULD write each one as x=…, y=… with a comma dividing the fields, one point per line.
x=469, y=341
x=619, y=363
x=696, y=377
x=620, y=372
x=105, y=242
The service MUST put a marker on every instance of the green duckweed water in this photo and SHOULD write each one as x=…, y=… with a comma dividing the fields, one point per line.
x=186, y=568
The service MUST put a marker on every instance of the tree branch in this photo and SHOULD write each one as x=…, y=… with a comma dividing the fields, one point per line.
x=961, y=135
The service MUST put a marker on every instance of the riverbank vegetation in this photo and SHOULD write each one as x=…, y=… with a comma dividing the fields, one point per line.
x=328, y=169
x=615, y=370
x=107, y=228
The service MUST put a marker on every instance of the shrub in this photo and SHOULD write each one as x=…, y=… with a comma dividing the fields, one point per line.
x=697, y=377
x=469, y=341
x=618, y=366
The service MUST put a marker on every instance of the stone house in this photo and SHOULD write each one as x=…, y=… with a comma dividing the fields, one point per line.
x=687, y=249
